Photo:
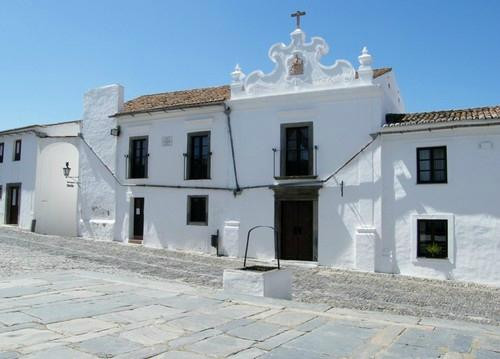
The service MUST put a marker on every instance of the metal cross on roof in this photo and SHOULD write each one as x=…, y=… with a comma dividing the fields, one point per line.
x=298, y=14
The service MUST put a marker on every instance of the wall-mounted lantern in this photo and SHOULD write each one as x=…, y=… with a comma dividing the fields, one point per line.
x=71, y=181
x=115, y=131
x=67, y=170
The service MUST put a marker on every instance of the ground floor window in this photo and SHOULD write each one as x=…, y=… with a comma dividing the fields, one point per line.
x=432, y=238
x=197, y=210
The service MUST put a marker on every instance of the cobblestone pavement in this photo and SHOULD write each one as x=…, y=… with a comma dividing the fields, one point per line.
x=79, y=314
x=22, y=252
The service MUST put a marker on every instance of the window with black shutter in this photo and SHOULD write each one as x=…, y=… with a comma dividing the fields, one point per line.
x=138, y=157
x=1, y=152
x=17, y=150
x=197, y=211
x=432, y=238
x=198, y=156
x=431, y=165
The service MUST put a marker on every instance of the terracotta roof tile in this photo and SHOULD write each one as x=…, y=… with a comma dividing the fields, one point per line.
x=378, y=72
x=190, y=98
x=420, y=118
x=177, y=99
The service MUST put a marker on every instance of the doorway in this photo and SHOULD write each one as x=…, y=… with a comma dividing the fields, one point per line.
x=297, y=230
x=13, y=204
x=296, y=213
x=138, y=219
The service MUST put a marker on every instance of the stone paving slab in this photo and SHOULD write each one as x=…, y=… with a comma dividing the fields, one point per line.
x=133, y=317
x=30, y=253
x=59, y=353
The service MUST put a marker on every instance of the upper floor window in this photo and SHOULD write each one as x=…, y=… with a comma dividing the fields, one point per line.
x=198, y=155
x=431, y=165
x=138, y=157
x=297, y=149
x=432, y=238
x=1, y=152
x=17, y=150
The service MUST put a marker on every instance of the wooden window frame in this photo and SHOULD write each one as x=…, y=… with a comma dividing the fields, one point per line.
x=192, y=223
x=283, y=149
x=190, y=136
x=432, y=169
x=130, y=159
x=17, y=154
x=419, y=251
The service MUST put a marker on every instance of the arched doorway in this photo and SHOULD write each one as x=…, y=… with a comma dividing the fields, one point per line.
x=55, y=202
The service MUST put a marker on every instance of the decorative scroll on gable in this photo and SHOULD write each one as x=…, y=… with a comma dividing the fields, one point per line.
x=298, y=68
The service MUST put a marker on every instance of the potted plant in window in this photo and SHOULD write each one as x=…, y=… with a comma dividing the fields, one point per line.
x=434, y=250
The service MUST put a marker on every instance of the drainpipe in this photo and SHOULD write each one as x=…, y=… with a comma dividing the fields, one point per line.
x=227, y=111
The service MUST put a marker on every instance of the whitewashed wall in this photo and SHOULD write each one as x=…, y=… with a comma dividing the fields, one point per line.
x=23, y=171
x=343, y=119
x=350, y=217
x=470, y=199
x=166, y=162
x=97, y=189
x=56, y=203
x=64, y=129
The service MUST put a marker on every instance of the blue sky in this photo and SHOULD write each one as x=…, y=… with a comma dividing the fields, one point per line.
x=446, y=54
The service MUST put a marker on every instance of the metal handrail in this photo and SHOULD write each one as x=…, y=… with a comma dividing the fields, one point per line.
x=315, y=159
x=187, y=157
x=276, y=247
x=129, y=164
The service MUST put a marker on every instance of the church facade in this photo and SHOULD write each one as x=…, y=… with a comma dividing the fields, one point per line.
x=323, y=156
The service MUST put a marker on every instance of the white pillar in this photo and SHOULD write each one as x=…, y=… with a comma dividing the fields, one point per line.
x=365, y=249
x=230, y=245
x=365, y=71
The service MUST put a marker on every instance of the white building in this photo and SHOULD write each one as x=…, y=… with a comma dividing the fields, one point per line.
x=33, y=193
x=323, y=154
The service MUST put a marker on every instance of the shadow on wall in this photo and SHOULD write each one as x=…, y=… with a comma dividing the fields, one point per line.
x=96, y=207
x=344, y=217
x=402, y=202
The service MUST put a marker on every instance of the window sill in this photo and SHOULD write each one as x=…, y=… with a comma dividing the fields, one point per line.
x=197, y=179
x=431, y=183
x=425, y=260
x=295, y=177
x=197, y=224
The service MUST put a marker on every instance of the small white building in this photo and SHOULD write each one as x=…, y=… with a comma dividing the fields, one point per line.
x=33, y=193
x=324, y=154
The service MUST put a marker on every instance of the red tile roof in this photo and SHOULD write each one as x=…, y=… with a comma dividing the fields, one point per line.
x=177, y=99
x=420, y=118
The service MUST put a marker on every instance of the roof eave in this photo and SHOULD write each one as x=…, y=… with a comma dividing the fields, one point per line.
x=445, y=125
x=168, y=108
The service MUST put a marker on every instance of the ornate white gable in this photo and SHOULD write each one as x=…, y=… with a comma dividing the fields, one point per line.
x=298, y=68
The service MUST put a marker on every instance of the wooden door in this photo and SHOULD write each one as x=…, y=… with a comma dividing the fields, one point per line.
x=297, y=230
x=138, y=218
x=13, y=203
